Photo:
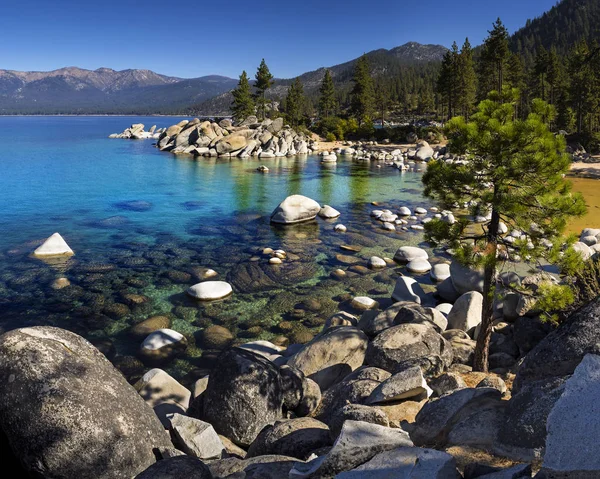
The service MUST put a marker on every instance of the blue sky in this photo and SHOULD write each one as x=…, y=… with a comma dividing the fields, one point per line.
x=191, y=39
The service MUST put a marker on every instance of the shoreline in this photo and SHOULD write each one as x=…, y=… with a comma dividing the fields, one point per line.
x=580, y=169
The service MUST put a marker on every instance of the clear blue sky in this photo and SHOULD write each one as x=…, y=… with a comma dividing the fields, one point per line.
x=202, y=37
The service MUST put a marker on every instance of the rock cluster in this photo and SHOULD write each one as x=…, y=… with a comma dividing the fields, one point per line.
x=266, y=139
x=137, y=132
x=385, y=393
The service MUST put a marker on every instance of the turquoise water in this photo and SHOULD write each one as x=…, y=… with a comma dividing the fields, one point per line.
x=140, y=220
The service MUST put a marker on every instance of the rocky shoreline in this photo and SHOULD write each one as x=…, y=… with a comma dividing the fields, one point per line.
x=386, y=385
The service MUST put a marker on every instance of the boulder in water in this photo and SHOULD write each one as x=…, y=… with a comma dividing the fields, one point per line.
x=295, y=209
x=55, y=245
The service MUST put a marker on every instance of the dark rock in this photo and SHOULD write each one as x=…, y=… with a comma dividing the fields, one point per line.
x=529, y=332
x=68, y=413
x=522, y=435
x=176, y=468
x=559, y=353
x=331, y=356
x=435, y=421
x=294, y=437
x=245, y=396
x=404, y=342
x=356, y=412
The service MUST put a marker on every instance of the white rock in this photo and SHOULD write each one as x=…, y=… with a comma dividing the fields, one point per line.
x=161, y=338
x=363, y=302
x=340, y=228
x=404, y=211
x=328, y=212
x=420, y=211
x=275, y=260
x=418, y=265
x=440, y=272
x=376, y=262
x=329, y=158
x=388, y=217
x=406, y=254
x=163, y=394
x=197, y=438
x=294, y=209
x=407, y=289
x=583, y=249
x=389, y=227
x=55, y=245
x=466, y=312
x=574, y=425
x=210, y=290
x=444, y=308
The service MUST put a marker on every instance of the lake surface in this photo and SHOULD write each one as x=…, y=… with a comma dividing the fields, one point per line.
x=142, y=223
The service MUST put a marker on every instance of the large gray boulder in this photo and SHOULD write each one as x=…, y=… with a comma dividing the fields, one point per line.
x=357, y=443
x=407, y=342
x=522, y=434
x=435, y=421
x=196, y=438
x=408, y=383
x=176, y=468
x=293, y=437
x=574, y=424
x=561, y=351
x=295, y=209
x=163, y=394
x=465, y=279
x=406, y=463
x=467, y=312
x=244, y=397
x=330, y=357
x=67, y=412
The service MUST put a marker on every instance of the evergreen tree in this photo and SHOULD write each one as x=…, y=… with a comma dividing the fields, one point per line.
x=264, y=81
x=382, y=99
x=515, y=171
x=540, y=69
x=467, y=84
x=494, y=57
x=327, y=101
x=362, y=96
x=243, y=104
x=295, y=102
x=448, y=79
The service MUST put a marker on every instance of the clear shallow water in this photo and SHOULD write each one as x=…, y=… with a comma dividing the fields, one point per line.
x=141, y=220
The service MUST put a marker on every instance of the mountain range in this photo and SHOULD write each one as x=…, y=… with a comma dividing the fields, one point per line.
x=74, y=90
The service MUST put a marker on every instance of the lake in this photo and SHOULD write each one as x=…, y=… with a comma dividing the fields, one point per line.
x=143, y=223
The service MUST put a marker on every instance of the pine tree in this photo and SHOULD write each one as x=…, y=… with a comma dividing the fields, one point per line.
x=540, y=69
x=447, y=83
x=362, y=96
x=243, y=104
x=264, y=81
x=295, y=102
x=467, y=84
x=494, y=57
x=327, y=101
x=515, y=171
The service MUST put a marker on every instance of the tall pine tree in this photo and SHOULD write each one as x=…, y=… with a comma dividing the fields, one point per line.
x=295, y=102
x=264, y=81
x=493, y=62
x=327, y=100
x=362, y=96
x=243, y=104
x=467, y=84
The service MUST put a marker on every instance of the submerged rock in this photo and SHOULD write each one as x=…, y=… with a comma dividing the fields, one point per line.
x=162, y=345
x=67, y=412
x=210, y=290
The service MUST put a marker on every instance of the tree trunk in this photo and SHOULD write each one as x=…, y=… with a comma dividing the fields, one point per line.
x=480, y=361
